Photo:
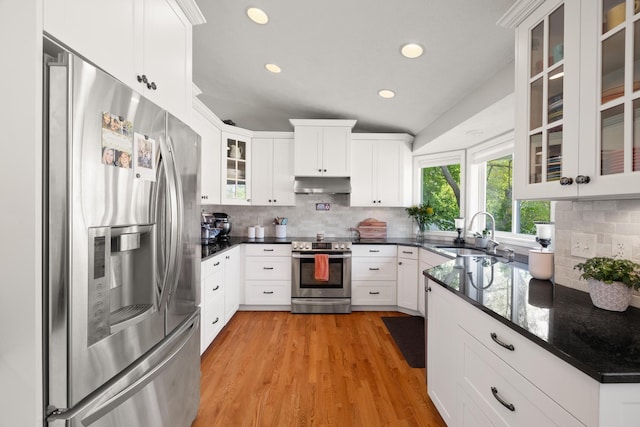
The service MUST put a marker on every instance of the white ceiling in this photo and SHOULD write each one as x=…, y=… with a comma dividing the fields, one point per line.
x=336, y=54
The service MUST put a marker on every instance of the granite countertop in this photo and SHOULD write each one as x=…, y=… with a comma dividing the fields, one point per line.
x=604, y=345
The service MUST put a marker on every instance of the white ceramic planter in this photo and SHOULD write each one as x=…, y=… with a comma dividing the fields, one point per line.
x=614, y=297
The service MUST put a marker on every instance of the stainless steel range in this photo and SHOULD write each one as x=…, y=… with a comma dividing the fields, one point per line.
x=321, y=279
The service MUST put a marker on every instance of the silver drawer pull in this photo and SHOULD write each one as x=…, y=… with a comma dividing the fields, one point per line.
x=407, y=252
x=268, y=250
x=509, y=406
x=374, y=269
x=267, y=292
x=216, y=288
x=509, y=347
x=215, y=321
x=267, y=268
x=374, y=250
x=374, y=293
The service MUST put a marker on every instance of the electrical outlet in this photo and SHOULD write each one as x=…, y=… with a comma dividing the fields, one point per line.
x=621, y=246
x=583, y=245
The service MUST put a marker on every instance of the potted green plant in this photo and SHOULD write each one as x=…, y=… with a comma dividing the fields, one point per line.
x=423, y=215
x=482, y=239
x=610, y=281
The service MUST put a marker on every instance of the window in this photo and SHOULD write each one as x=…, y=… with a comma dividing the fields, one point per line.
x=491, y=173
x=439, y=178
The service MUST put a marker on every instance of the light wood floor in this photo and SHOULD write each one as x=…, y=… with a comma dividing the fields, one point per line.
x=282, y=369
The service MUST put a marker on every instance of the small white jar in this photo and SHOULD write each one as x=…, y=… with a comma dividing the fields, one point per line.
x=541, y=264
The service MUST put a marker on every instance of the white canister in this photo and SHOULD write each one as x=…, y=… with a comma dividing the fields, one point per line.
x=259, y=232
x=541, y=264
x=281, y=231
x=251, y=232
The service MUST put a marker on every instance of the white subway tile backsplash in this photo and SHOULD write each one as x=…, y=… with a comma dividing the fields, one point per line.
x=603, y=218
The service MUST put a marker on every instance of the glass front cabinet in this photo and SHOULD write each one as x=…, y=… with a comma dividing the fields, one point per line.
x=578, y=100
x=236, y=170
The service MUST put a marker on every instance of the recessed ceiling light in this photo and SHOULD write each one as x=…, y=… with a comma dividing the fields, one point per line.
x=386, y=93
x=273, y=68
x=257, y=15
x=412, y=50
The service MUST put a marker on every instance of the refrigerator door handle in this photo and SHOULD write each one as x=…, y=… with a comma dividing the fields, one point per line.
x=178, y=220
x=187, y=329
x=174, y=234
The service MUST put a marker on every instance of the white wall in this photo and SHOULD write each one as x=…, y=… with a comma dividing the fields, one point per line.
x=20, y=216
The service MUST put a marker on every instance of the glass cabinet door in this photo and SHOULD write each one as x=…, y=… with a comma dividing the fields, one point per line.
x=546, y=98
x=619, y=76
x=236, y=169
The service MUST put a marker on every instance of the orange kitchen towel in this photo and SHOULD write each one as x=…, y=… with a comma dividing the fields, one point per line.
x=321, y=267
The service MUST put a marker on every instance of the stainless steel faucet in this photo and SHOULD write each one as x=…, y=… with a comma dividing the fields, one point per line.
x=494, y=243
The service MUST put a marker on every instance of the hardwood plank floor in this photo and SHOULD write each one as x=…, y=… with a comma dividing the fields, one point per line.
x=283, y=369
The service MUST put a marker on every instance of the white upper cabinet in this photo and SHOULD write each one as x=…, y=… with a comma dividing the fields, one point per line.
x=272, y=172
x=577, y=110
x=144, y=43
x=236, y=167
x=322, y=147
x=204, y=123
x=381, y=170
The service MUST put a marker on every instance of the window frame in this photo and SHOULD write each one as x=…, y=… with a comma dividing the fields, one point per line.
x=434, y=160
x=477, y=156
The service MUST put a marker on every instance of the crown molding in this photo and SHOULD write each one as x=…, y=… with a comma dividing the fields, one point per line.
x=192, y=11
x=518, y=13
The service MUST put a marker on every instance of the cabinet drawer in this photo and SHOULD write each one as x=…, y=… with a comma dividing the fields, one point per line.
x=573, y=390
x=373, y=269
x=502, y=394
x=210, y=266
x=267, y=250
x=212, y=322
x=379, y=293
x=268, y=268
x=408, y=252
x=374, y=250
x=274, y=293
x=213, y=287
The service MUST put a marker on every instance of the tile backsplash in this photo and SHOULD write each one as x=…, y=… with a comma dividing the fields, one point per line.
x=305, y=221
x=608, y=220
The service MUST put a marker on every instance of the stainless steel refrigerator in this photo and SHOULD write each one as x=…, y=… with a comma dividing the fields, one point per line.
x=122, y=257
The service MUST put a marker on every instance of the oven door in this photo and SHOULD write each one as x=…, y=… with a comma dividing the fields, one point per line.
x=304, y=285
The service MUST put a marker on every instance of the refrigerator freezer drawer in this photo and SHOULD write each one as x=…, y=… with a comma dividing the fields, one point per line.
x=170, y=374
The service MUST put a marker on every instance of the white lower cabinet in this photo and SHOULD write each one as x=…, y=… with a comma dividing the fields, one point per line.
x=373, y=275
x=212, y=299
x=219, y=293
x=427, y=259
x=268, y=274
x=481, y=372
x=408, y=280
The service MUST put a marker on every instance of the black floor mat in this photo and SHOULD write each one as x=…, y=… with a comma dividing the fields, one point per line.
x=408, y=333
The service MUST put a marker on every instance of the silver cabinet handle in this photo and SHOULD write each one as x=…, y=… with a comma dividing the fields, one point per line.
x=509, y=406
x=407, y=252
x=267, y=292
x=509, y=347
x=374, y=250
x=215, y=321
x=374, y=293
x=374, y=269
x=216, y=264
x=268, y=250
x=216, y=288
x=267, y=268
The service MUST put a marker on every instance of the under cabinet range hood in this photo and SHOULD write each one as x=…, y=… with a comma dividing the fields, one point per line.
x=322, y=185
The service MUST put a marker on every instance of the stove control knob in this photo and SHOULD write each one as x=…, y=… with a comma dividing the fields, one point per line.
x=342, y=246
x=307, y=246
x=295, y=246
x=336, y=246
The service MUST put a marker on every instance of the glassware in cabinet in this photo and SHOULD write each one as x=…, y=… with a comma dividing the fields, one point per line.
x=546, y=98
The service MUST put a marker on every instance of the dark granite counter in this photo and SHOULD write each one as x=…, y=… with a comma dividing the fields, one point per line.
x=604, y=345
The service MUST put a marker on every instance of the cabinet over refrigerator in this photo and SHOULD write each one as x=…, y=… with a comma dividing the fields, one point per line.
x=121, y=254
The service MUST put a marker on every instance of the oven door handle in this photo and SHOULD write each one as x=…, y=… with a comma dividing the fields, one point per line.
x=301, y=256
